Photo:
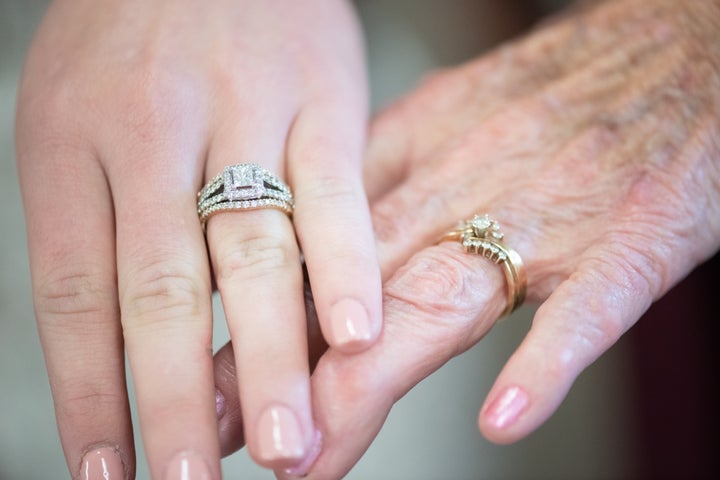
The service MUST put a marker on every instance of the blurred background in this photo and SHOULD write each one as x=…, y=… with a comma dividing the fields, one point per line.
x=431, y=433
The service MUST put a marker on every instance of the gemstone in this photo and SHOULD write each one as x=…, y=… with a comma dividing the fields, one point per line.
x=243, y=182
x=481, y=223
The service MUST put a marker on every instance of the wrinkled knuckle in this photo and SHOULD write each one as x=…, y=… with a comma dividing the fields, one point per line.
x=255, y=258
x=638, y=269
x=87, y=404
x=73, y=295
x=434, y=283
x=601, y=333
x=162, y=291
x=601, y=328
x=434, y=298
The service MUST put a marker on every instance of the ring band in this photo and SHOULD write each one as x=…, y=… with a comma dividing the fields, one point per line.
x=244, y=186
x=481, y=235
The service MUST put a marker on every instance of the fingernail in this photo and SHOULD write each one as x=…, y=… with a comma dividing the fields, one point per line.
x=219, y=403
x=187, y=466
x=279, y=435
x=102, y=464
x=349, y=324
x=302, y=468
x=507, y=407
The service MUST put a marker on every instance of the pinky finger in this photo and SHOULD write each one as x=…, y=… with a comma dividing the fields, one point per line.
x=582, y=319
x=75, y=299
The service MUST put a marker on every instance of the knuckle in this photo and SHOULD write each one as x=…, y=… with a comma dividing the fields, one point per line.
x=435, y=284
x=637, y=269
x=163, y=290
x=84, y=402
x=591, y=336
x=585, y=341
x=555, y=366
x=74, y=295
x=45, y=121
x=438, y=299
x=255, y=257
x=50, y=107
x=155, y=105
x=600, y=333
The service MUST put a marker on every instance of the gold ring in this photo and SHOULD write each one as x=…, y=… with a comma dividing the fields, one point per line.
x=481, y=235
x=244, y=186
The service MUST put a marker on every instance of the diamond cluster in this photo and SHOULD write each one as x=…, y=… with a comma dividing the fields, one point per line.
x=481, y=236
x=485, y=227
x=244, y=186
x=243, y=182
x=484, y=248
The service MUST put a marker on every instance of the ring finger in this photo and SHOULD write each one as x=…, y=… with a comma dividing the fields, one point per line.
x=257, y=268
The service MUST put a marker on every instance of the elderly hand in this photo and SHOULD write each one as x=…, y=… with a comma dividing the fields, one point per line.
x=593, y=142
x=126, y=109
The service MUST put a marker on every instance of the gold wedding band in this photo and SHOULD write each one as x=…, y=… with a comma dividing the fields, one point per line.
x=244, y=186
x=481, y=235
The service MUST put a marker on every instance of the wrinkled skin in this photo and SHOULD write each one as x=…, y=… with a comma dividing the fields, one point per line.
x=595, y=142
x=126, y=108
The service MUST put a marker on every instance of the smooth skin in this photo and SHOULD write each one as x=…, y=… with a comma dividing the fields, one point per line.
x=126, y=108
x=594, y=142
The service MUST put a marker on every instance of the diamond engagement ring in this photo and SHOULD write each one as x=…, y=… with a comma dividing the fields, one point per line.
x=245, y=186
x=481, y=235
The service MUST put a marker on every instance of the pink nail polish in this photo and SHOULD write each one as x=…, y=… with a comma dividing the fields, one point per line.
x=349, y=324
x=102, y=464
x=302, y=468
x=507, y=407
x=279, y=436
x=187, y=466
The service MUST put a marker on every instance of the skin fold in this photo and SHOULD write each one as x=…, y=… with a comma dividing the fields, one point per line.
x=594, y=141
x=126, y=108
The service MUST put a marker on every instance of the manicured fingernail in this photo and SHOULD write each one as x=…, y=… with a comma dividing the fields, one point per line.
x=302, y=468
x=219, y=403
x=187, y=466
x=507, y=407
x=102, y=464
x=349, y=324
x=279, y=435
